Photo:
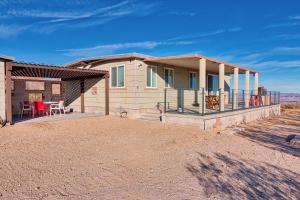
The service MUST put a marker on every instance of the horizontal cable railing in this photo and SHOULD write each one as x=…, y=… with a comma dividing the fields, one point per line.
x=202, y=102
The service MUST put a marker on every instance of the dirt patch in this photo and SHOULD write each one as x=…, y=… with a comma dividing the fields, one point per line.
x=114, y=158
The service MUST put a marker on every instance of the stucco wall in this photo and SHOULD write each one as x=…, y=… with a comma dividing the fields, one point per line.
x=2, y=90
x=135, y=97
x=221, y=121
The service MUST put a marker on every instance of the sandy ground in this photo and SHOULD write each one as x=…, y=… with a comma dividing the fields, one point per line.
x=113, y=158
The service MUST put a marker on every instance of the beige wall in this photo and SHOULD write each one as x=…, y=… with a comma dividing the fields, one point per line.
x=135, y=97
x=2, y=90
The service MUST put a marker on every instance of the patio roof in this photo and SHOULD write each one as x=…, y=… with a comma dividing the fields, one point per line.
x=192, y=62
x=50, y=71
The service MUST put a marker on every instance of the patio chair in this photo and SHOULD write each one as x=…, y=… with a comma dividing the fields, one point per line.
x=57, y=107
x=38, y=107
x=25, y=106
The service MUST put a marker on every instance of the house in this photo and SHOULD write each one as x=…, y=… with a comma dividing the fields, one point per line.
x=164, y=87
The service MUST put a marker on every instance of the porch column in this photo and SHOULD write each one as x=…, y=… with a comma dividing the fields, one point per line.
x=235, y=87
x=221, y=86
x=8, y=104
x=202, y=85
x=256, y=83
x=82, y=96
x=247, y=88
x=107, y=94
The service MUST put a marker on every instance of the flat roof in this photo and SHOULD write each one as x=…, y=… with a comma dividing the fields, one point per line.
x=188, y=61
x=50, y=71
x=7, y=58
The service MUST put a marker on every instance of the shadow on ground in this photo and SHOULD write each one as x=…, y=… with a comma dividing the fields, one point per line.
x=273, y=133
x=226, y=177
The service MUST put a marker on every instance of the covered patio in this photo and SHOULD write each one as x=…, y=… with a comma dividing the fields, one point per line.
x=213, y=95
x=28, y=71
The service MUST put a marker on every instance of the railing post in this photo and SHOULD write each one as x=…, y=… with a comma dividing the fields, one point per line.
x=270, y=97
x=203, y=101
x=243, y=93
x=278, y=97
x=182, y=100
x=233, y=100
x=165, y=100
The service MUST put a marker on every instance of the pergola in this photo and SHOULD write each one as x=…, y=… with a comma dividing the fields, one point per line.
x=18, y=69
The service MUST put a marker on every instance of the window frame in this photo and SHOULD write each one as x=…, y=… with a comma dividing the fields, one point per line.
x=117, y=87
x=192, y=72
x=173, y=71
x=151, y=66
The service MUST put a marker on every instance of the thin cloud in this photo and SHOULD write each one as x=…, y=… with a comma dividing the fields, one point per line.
x=182, y=13
x=206, y=34
x=7, y=31
x=113, y=48
x=278, y=25
x=294, y=17
x=46, y=20
x=286, y=50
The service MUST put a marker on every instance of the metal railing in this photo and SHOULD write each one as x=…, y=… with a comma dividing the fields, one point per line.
x=203, y=102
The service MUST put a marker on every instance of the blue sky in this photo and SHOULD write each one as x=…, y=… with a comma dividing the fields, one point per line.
x=261, y=35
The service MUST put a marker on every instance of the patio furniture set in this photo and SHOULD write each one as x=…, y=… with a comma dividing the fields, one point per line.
x=42, y=107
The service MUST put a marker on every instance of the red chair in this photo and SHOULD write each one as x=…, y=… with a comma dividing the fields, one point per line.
x=39, y=106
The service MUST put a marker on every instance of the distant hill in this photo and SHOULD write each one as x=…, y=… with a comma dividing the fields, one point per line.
x=290, y=98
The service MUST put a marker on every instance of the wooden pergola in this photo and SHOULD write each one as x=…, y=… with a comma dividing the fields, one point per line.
x=18, y=69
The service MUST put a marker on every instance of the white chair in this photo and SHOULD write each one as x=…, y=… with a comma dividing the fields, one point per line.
x=25, y=106
x=57, y=107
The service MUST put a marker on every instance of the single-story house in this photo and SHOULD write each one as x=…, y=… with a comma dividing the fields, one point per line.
x=135, y=84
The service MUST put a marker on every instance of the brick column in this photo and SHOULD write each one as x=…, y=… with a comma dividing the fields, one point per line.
x=221, y=86
x=202, y=84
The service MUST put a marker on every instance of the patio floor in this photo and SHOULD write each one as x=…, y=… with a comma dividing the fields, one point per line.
x=57, y=117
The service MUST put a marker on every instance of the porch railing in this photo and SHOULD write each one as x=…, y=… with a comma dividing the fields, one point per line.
x=203, y=102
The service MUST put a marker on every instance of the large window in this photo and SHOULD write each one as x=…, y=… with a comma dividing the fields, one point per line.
x=118, y=77
x=192, y=80
x=169, y=77
x=151, y=77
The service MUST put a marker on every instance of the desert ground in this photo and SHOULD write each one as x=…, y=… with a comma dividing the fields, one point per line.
x=114, y=158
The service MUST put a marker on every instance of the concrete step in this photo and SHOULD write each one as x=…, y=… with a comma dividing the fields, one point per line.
x=149, y=119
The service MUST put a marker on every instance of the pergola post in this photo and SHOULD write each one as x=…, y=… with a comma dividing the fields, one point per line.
x=235, y=87
x=202, y=85
x=247, y=88
x=256, y=83
x=107, y=94
x=221, y=86
x=8, y=104
x=82, y=95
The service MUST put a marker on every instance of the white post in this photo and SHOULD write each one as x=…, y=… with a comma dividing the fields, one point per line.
x=235, y=87
x=256, y=83
x=221, y=86
x=202, y=85
x=247, y=88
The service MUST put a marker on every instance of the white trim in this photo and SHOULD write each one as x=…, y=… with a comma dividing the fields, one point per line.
x=117, y=87
x=171, y=69
x=151, y=76
x=192, y=72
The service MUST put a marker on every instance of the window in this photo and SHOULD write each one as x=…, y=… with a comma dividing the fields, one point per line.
x=169, y=77
x=34, y=85
x=55, y=89
x=151, y=77
x=117, y=77
x=192, y=80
